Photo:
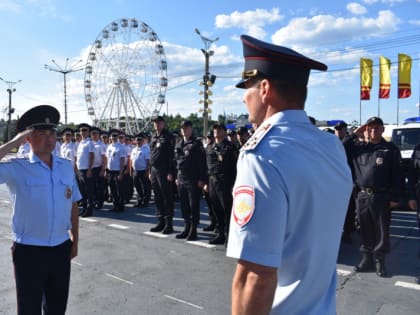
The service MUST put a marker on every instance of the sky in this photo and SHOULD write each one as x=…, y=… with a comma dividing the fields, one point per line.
x=335, y=32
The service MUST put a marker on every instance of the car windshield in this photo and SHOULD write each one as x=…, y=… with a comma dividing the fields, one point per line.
x=406, y=139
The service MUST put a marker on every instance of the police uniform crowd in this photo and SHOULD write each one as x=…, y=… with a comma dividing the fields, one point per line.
x=285, y=249
x=111, y=166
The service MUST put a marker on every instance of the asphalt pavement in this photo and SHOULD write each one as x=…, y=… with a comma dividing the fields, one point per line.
x=123, y=269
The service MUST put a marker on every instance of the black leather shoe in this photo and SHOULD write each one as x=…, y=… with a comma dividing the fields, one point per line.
x=218, y=240
x=159, y=226
x=380, y=267
x=209, y=228
x=366, y=264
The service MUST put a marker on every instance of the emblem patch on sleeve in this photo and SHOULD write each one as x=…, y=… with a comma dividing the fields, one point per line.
x=243, y=204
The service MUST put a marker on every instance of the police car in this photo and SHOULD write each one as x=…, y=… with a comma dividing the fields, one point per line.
x=406, y=137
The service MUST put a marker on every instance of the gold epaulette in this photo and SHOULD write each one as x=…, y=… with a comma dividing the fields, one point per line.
x=257, y=137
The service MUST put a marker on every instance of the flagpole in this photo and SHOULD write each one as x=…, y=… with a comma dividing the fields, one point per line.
x=379, y=107
x=360, y=112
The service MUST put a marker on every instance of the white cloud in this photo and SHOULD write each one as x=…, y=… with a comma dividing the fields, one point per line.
x=370, y=1
x=323, y=29
x=10, y=6
x=356, y=8
x=415, y=22
x=389, y=2
x=252, y=22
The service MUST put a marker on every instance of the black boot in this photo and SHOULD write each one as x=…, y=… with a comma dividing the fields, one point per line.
x=366, y=264
x=168, y=229
x=192, y=235
x=220, y=237
x=380, y=266
x=185, y=232
x=210, y=227
x=159, y=226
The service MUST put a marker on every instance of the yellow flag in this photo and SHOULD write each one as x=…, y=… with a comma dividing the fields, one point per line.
x=365, y=78
x=404, y=76
x=384, y=77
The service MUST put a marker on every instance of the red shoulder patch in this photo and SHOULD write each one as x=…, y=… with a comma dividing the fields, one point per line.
x=243, y=204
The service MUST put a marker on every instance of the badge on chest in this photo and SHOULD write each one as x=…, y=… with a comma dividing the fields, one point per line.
x=68, y=192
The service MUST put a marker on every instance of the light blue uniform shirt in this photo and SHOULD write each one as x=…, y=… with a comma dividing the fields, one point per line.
x=140, y=157
x=114, y=153
x=290, y=198
x=41, y=198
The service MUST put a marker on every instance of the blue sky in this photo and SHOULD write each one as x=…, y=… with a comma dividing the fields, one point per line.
x=338, y=33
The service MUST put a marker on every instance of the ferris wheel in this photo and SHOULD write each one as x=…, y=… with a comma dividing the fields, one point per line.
x=125, y=76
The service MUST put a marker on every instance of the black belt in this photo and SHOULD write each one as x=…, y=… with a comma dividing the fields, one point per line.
x=371, y=191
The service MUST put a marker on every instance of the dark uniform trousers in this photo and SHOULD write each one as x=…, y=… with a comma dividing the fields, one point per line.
x=117, y=190
x=42, y=276
x=142, y=185
x=98, y=186
x=418, y=205
x=189, y=196
x=349, y=222
x=163, y=191
x=86, y=187
x=221, y=199
x=374, y=216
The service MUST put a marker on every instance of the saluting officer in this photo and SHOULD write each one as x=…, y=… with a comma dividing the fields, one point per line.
x=84, y=163
x=162, y=170
x=221, y=163
x=45, y=219
x=115, y=156
x=192, y=173
x=378, y=176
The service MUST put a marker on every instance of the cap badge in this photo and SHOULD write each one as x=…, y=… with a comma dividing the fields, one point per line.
x=47, y=120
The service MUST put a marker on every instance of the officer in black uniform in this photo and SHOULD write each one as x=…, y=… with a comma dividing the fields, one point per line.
x=378, y=174
x=221, y=163
x=208, y=147
x=162, y=170
x=414, y=185
x=192, y=174
x=340, y=130
x=242, y=135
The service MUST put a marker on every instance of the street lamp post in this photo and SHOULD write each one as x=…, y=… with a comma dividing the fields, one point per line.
x=208, y=79
x=10, y=90
x=64, y=71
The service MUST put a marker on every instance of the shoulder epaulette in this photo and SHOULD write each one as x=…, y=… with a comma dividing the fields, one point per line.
x=257, y=137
